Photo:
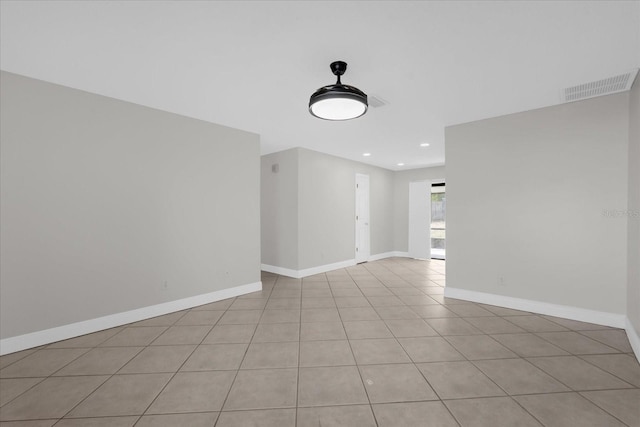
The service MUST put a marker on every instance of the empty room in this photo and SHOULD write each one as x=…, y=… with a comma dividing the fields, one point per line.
x=319, y=213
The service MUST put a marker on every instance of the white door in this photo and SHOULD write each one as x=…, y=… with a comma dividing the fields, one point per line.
x=363, y=249
x=420, y=219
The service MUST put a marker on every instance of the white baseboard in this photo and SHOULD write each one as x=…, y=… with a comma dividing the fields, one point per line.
x=299, y=274
x=564, y=311
x=634, y=338
x=392, y=254
x=47, y=336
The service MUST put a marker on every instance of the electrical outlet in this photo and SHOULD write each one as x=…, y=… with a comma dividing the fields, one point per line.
x=165, y=285
x=501, y=281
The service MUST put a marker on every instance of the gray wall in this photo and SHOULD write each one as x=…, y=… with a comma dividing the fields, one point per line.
x=633, y=241
x=528, y=197
x=327, y=208
x=279, y=209
x=103, y=201
x=401, y=182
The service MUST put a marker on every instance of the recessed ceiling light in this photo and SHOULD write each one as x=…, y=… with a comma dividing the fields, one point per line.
x=400, y=164
x=366, y=154
x=424, y=144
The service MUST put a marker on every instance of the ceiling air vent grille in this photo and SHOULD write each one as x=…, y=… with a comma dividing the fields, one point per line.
x=619, y=83
x=375, y=101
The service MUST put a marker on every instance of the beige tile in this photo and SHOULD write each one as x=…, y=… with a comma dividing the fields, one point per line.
x=38, y=423
x=478, y=347
x=406, y=328
x=200, y=317
x=351, y=314
x=502, y=311
x=122, y=395
x=10, y=388
x=181, y=335
x=458, y=380
x=336, y=416
x=277, y=332
x=325, y=353
x=490, y=412
x=261, y=418
x=218, y=305
x=248, y=304
x=351, y=302
x=433, y=311
x=378, y=351
x=494, y=325
x=430, y=349
x=517, y=376
x=566, y=409
x=89, y=340
x=574, y=324
x=318, y=302
x=367, y=329
x=470, y=310
x=385, y=301
x=327, y=386
x=390, y=313
x=623, y=366
x=280, y=316
x=535, y=324
x=577, y=374
x=345, y=292
x=322, y=331
x=205, y=419
x=158, y=359
x=316, y=293
x=528, y=345
x=615, y=338
x=576, y=343
x=130, y=337
x=263, y=388
x=284, y=304
x=213, y=357
x=271, y=355
x=8, y=359
x=240, y=317
x=413, y=415
x=395, y=383
x=285, y=293
x=453, y=326
x=622, y=404
x=164, y=320
x=98, y=422
x=230, y=334
x=52, y=398
x=193, y=392
x=42, y=363
x=100, y=361
x=320, y=315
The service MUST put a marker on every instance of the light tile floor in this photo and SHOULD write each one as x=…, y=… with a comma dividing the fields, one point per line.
x=372, y=345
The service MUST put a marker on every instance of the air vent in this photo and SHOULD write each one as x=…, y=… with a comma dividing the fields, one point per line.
x=615, y=84
x=376, y=101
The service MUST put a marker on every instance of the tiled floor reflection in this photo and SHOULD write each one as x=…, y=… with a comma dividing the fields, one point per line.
x=372, y=345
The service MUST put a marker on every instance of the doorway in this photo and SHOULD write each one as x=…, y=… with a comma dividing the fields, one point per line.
x=438, y=220
x=363, y=249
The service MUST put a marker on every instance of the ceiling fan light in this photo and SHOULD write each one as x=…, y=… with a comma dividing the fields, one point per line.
x=338, y=101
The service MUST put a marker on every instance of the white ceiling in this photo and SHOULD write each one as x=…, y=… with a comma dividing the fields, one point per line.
x=253, y=65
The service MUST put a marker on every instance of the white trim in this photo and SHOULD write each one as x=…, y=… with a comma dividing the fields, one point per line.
x=280, y=270
x=634, y=338
x=47, y=336
x=392, y=254
x=299, y=274
x=557, y=310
